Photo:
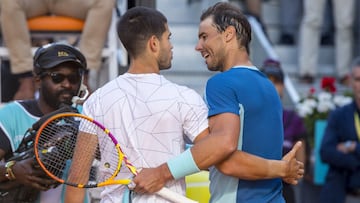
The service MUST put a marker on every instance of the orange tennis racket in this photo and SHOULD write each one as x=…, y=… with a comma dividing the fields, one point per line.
x=71, y=148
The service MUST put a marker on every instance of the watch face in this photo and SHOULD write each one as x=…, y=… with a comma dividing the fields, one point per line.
x=9, y=174
x=9, y=164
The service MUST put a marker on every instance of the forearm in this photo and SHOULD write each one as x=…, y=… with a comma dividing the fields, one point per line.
x=74, y=195
x=250, y=167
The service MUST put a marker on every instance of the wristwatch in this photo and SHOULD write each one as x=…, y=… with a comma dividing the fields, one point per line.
x=9, y=173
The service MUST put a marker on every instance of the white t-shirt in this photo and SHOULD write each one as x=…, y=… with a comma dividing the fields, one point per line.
x=149, y=116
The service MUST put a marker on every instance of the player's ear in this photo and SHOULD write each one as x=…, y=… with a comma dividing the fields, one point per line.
x=37, y=81
x=230, y=32
x=154, y=43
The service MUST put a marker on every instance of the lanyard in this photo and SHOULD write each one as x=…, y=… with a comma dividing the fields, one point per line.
x=357, y=124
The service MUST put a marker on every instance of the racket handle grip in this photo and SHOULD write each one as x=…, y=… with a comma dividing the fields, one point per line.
x=173, y=196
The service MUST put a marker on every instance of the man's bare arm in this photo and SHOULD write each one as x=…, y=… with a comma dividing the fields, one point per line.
x=217, y=148
x=250, y=167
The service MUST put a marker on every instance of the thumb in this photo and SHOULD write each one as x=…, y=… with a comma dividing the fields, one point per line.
x=292, y=153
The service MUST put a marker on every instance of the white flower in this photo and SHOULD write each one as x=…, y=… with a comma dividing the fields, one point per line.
x=325, y=105
x=310, y=102
x=304, y=109
x=341, y=100
x=324, y=102
x=317, y=106
x=324, y=96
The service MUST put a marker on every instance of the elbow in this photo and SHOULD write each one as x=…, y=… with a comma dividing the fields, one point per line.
x=224, y=149
x=228, y=150
x=225, y=168
x=225, y=171
x=224, y=152
x=229, y=147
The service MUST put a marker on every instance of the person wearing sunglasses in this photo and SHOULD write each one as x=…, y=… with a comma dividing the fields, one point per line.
x=57, y=73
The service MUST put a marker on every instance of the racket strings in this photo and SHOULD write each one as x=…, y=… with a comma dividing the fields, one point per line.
x=78, y=151
x=101, y=159
x=111, y=158
x=56, y=147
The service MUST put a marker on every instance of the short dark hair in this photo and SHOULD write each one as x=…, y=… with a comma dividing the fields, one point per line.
x=226, y=14
x=272, y=69
x=137, y=25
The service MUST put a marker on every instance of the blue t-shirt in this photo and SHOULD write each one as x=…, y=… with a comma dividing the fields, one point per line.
x=247, y=92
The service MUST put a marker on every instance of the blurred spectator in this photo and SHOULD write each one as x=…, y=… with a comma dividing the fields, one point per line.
x=254, y=8
x=16, y=36
x=340, y=148
x=327, y=36
x=146, y=3
x=294, y=128
x=290, y=16
x=343, y=13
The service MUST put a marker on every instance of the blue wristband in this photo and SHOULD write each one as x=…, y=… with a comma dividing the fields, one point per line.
x=182, y=165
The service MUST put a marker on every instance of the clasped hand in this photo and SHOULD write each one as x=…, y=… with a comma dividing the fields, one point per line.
x=30, y=174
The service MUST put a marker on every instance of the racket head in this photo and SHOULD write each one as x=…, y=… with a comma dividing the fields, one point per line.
x=71, y=148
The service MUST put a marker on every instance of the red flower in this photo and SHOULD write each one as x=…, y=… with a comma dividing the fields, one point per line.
x=311, y=92
x=328, y=84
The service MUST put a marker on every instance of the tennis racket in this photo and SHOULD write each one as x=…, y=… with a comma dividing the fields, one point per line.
x=71, y=149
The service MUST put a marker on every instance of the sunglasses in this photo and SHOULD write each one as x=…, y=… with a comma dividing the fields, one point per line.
x=57, y=78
